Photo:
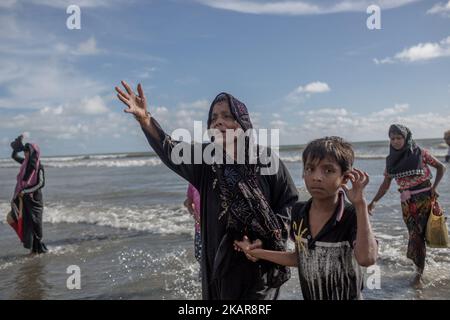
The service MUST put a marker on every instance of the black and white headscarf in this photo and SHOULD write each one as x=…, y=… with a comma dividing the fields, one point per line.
x=408, y=160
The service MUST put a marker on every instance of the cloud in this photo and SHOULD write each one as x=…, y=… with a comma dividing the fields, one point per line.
x=10, y=28
x=314, y=87
x=441, y=9
x=302, y=92
x=202, y=105
x=48, y=90
x=88, y=121
x=186, y=113
x=94, y=105
x=325, y=112
x=86, y=48
x=80, y=3
x=146, y=72
x=63, y=4
x=420, y=52
x=186, y=81
x=357, y=127
x=89, y=47
x=33, y=85
x=8, y=3
x=278, y=123
x=397, y=109
x=300, y=7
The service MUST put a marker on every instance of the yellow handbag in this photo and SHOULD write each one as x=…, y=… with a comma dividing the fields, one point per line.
x=437, y=231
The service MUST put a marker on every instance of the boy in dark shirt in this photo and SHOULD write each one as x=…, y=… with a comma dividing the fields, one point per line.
x=333, y=237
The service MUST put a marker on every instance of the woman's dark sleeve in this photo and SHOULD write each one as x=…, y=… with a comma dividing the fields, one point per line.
x=40, y=183
x=16, y=157
x=284, y=195
x=163, y=147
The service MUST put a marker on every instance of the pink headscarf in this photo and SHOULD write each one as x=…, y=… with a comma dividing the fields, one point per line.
x=194, y=195
x=34, y=156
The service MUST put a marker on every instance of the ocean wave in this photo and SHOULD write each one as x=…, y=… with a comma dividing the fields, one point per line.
x=97, y=161
x=366, y=156
x=106, y=163
x=141, y=159
x=359, y=155
x=155, y=219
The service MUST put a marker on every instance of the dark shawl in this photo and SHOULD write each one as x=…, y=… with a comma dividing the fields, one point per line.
x=408, y=160
x=244, y=206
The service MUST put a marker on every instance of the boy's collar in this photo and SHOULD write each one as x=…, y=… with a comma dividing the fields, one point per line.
x=339, y=211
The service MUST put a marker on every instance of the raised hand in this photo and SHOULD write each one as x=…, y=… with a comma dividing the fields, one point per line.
x=359, y=180
x=136, y=104
x=17, y=144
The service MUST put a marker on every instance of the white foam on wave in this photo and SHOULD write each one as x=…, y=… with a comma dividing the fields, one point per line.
x=61, y=250
x=108, y=156
x=155, y=219
x=52, y=251
x=363, y=156
x=96, y=162
x=106, y=160
x=291, y=158
x=6, y=265
x=108, y=163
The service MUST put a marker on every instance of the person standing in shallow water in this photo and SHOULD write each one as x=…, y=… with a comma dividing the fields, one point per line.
x=27, y=204
x=236, y=199
x=447, y=141
x=408, y=164
x=192, y=204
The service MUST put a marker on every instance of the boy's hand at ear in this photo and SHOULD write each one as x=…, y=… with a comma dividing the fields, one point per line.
x=359, y=180
x=365, y=247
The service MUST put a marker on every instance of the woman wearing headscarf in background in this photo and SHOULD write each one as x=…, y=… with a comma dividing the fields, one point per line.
x=27, y=204
x=447, y=141
x=407, y=163
x=235, y=199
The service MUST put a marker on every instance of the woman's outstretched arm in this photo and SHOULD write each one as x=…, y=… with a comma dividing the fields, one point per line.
x=161, y=142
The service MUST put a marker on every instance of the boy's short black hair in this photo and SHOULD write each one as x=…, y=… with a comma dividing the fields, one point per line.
x=335, y=148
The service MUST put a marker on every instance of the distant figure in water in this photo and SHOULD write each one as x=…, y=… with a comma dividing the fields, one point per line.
x=192, y=203
x=447, y=140
x=27, y=204
x=408, y=164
